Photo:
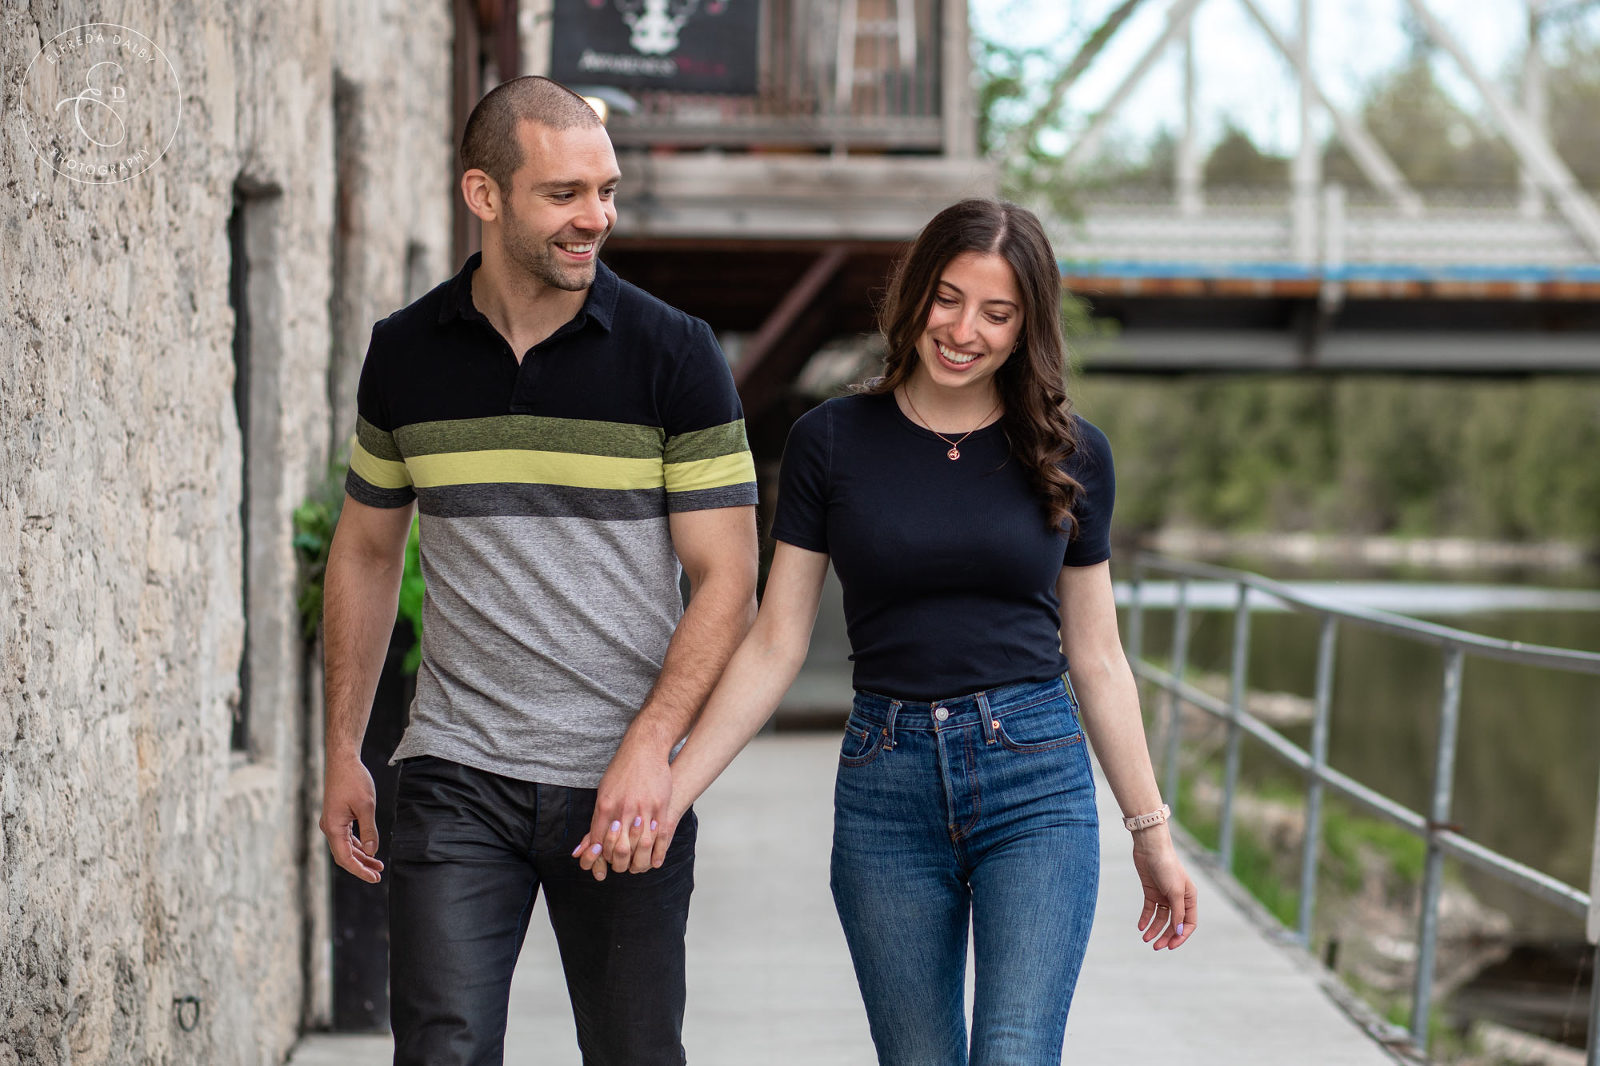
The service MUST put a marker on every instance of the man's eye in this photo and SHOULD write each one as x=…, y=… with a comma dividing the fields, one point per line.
x=608, y=193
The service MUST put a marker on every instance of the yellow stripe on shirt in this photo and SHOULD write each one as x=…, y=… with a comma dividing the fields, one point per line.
x=379, y=473
x=521, y=467
x=720, y=472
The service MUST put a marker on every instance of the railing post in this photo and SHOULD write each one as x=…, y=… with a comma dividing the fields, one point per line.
x=1593, y=1056
x=1438, y=818
x=1180, y=655
x=1136, y=635
x=1311, y=842
x=1136, y=612
x=1236, y=698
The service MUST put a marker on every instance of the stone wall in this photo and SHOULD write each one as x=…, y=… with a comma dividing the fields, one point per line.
x=143, y=857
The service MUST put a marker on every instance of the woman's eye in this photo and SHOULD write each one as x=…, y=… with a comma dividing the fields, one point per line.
x=945, y=301
x=999, y=320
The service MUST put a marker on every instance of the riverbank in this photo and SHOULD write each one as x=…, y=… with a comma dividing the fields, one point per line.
x=1358, y=550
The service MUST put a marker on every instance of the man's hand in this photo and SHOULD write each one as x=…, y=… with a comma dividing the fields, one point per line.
x=349, y=801
x=632, y=802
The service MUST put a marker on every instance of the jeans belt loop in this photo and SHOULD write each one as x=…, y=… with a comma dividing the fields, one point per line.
x=986, y=720
x=1066, y=680
x=888, y=726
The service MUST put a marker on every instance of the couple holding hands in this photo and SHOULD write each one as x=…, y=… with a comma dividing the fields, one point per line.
x=571, y=442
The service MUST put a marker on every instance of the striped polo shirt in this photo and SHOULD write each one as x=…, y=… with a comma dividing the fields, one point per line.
x=544, y=489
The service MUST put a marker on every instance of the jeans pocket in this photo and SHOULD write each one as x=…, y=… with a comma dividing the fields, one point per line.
x=1043, y=727
x=861, y=744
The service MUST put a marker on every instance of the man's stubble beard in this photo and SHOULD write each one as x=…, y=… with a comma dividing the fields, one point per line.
x=537, y=259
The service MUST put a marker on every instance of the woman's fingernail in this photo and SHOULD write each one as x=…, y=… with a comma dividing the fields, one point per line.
x=652, y=825
x=615, y=826
x=576, y=850
x=637, y=822
x=1180, y=928
x=595, y=850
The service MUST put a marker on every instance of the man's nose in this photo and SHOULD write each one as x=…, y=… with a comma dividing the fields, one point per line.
x=593, y=217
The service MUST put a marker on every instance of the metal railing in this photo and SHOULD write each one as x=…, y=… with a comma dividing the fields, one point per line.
x=835, y=74
x=1433, y=827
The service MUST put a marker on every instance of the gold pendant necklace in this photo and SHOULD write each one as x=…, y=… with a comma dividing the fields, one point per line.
x=955, y=445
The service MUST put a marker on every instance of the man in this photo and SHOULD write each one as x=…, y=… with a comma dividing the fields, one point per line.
x=568, y=440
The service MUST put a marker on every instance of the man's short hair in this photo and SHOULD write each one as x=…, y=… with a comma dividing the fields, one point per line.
x=490, y=142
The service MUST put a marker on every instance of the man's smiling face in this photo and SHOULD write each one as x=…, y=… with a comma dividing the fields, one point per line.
x=560, y=204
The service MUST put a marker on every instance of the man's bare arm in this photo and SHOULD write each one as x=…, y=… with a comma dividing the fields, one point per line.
x=717, y=548
x=360, y=590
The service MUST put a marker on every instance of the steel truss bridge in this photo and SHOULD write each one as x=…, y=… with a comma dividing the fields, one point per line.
x=1317, y=276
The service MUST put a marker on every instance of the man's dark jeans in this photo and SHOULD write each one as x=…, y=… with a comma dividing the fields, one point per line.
x=470, y=851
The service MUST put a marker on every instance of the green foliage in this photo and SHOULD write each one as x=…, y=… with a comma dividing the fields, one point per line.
x=1255, y=865
x=1237, y=161
x=1412, y=457
x=314, y=523
x=411, y=595
x=1347, y=837
x=1574, y=85
x=1426, y=133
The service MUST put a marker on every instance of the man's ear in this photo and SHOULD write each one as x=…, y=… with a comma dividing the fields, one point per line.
x=482, y=195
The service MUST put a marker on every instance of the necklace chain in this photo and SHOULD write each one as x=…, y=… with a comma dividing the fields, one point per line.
x=955, y=445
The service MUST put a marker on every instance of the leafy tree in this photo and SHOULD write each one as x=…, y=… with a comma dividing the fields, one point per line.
x=1574, y=87
x=1013, y=119
x=1237, y=161
x=1426, y=133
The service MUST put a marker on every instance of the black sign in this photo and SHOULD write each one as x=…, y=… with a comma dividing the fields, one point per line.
x=694, y=46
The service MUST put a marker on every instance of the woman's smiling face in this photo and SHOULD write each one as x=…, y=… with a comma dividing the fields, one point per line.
x=974, y=323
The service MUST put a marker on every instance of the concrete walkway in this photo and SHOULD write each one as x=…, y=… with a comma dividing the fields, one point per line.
x=770, y=979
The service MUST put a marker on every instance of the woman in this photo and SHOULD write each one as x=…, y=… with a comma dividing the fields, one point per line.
x=965, y=510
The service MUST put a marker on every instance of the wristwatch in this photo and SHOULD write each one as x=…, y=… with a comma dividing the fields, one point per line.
x=1145, y=821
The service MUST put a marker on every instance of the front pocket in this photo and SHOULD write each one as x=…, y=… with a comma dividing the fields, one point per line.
x=860, y=746
x=1049, y=725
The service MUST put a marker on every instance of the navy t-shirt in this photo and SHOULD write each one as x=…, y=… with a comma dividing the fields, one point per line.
x=949, y=570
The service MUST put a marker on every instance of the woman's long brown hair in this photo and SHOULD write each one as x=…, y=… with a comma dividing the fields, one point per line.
x=1038, y=418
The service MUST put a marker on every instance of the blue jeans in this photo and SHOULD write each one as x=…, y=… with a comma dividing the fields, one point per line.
x=470, y=850
x=982, y=805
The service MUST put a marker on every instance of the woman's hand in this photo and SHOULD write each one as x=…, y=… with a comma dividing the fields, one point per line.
x=1170, y=912
x=588, y=852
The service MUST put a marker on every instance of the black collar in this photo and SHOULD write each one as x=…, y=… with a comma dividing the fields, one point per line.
x=599, y=306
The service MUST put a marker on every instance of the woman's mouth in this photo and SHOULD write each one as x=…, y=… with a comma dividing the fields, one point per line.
x=955, y=357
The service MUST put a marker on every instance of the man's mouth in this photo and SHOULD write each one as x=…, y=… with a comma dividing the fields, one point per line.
x=578, y=248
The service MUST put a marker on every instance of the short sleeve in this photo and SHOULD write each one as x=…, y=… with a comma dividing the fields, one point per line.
x=707, y=460
x=802, y=513
x=1091, y=466
x=378, y=474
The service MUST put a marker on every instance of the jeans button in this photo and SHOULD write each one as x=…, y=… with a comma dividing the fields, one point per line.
x=941, y=713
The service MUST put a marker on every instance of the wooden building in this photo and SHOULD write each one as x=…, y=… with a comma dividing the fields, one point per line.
x=777, y=216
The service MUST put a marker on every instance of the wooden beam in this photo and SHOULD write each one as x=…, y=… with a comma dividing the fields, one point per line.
x=790, y=334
